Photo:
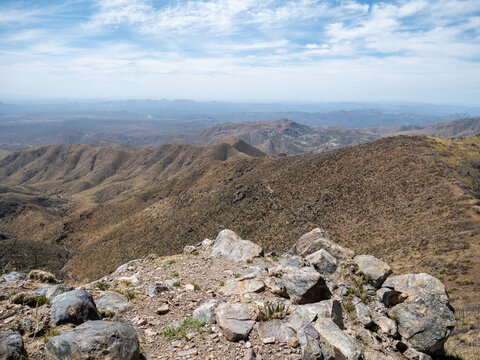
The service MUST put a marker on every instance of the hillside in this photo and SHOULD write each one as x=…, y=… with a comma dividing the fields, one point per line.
x=451, y=129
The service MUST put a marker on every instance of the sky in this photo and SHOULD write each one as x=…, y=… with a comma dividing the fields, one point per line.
x=243, y=50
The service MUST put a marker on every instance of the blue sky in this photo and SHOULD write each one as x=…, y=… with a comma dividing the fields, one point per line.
x=243, y=50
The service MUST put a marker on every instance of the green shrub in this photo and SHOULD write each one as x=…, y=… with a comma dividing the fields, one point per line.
x=102, y=286
x=180, y=332
x=272, y=311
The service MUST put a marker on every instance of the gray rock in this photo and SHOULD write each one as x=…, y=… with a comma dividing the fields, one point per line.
x=206, y=311
x=158, y=288
x=231, y=246
x=308, y=337
x=187, y=250
x=374, y=268
x=275, y=286
x=55, y=290
x=207, y=243
x=125, y=267
x=425, y=319
x=363, y=314
x=305, y=285
x=331, y=309
x=258, y=272
x=113, y=302
x=387, y=325
x=73, y=307
x=412, y=354
x=13, y=276
x=11, y=346
x=343, y=346
x=96, y=340
x=323, y=261
x=316, y=240
x=235, y=320
x=276, y=328
x=243, y=287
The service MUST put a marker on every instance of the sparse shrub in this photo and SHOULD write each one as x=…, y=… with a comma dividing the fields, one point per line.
x=249, y=261
x=177, y=284
x=236, y=276
x=179, y=332
x=221, y=284
x=170, y=262
x=107, y=314
x=130, y=294
x=195, y=252
x=102, y=286
x=42, y=300
x=43, y=276
x=272, y=311
x=348, y=306
x=175, y=274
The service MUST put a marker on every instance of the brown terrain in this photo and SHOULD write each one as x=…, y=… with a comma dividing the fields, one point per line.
x=412, y=201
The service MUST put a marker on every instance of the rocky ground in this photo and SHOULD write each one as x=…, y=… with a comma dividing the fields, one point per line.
x=225, y=299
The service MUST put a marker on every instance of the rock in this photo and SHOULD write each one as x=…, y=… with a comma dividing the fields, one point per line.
x=276, y=328
x=387, y=325
x=323, y=261
x=129, y=280
x=50, y=292
x=191, y=287
x=374, y=268
x=11, y=346
x=230, y=245
x=425, y=319
x=113, y=302
x=287, y=263
x=269, y=340
x=275, y=286
x=96, y=340
x=258, y=272
x=206, y=311
x=163, y=309
x=331, y=309
x=43, y=276
x=74, y=307
x=249, y=355
x=124, y=268
x=207, y=243
x=363, y=314
x=13, y=276
x=316, y=240
x=158, y=288
x=305, y=285
x=32, y=327
x=343, y=346
x=308, y=337
x=412, y=354
x=187, y=250
x=235, y=320
x=243, y=287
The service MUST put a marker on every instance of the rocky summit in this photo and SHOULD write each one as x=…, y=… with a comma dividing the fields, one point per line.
x=225, y=299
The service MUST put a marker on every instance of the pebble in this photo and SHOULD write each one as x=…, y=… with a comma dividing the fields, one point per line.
x=162, y=310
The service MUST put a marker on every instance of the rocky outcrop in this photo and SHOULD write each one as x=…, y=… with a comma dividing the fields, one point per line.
x=316, y=240
x=11, y=346
x=96, y=340
x=235, y=320
x=375, y=269
x=342, y=345
x=425, y=319
x=74, y=307
x=230, y=245
x=243, y=287
x=323, y=261
x=50, y=292
x=12, y=276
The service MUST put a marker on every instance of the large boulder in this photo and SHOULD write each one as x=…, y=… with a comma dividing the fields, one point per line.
x=73, y=307
x=339, y=343
x=231, y=246
x=305, y=285
x=276, y=328
x=375, y=269
x=11, y=346
x=316, y=240
x=96, y=340
x=235, y=320
x=425, y=319
x=113, y=303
